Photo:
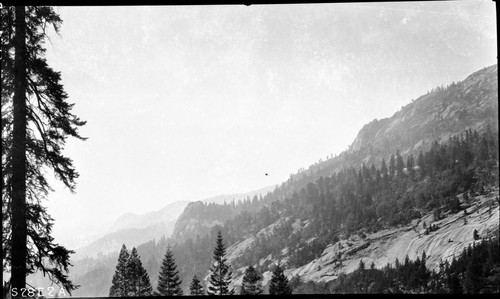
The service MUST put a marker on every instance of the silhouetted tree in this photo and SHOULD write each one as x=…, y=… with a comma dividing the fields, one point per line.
x=36, y=121
x=120, y=284
x=251, y=284
x=138, y=277
x=361, y=265
x=196, y=289
x=220, y=274
x=168, y=281
x=476, y=235
x=279, y=282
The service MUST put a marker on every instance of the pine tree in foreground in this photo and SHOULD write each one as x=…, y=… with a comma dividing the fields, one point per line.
x=252, y=282
x=279, y=282
x=220, y=274
x=169, y=282
x=119, y=286
x=138, y=277
x=196, y=289
x=37, y=120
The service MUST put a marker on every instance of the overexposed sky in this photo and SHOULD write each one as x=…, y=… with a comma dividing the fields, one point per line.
x=189, y=102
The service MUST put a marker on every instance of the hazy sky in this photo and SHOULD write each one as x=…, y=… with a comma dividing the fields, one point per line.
x=185, y=103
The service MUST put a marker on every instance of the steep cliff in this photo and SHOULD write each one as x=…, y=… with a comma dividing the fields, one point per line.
x=198, y=217
x=436, y=116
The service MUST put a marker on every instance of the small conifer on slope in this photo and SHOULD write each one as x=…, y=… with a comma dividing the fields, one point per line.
x=196, y=289
x=119, y=287
x=169, y=282
x=220, y=274
x=130, y=278
x=138, y=279
x=252, y=282
x=279, y=282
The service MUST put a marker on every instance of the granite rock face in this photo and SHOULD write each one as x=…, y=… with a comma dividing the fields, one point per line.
x=436, y=116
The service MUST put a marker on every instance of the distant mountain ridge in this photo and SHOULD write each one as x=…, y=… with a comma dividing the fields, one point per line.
x=168, y=213
x=129, y=236
x=132, y=229
x=228, y=198
x=200, y=216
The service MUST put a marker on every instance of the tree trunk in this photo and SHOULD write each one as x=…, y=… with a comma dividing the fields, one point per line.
x=19, y=232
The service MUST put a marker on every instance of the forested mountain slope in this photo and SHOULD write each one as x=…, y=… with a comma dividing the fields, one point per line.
x=432, y=162
x=454, y=232
x=435, y=117
x=228, y=198
x=199, y=217
x=398, y=170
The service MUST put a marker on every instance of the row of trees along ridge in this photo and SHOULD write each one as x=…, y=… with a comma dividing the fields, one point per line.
x=131, y=279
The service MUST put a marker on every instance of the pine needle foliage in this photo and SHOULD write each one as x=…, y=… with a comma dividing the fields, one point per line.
x=252, y=282
x=36, y=122
x=119, y=285
x=220, y=273
x=196, y=288
x=169, y=281
x=138, y=277
x=130, y=278
x=279, y=282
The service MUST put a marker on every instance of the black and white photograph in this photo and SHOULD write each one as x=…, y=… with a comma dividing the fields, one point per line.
x=237, y=149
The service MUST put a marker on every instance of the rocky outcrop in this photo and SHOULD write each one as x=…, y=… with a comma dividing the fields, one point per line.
x=436, y=116
x=198, y=218
x=452, y=235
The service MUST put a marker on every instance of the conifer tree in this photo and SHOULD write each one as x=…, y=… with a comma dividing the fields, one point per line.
x=421, y=164
x=279, y=282
x=373, y=170
x=422, y=272
x=252, y=282
x=476, y=235
x=138, y=278
x=410, y=163
x=392, y=166
x=120, y=285
x=36, y=121
x=385, y=174
x=169, y=282
x=196, y=289
x=361, y=265
x=220, y=274
x=400, y=165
